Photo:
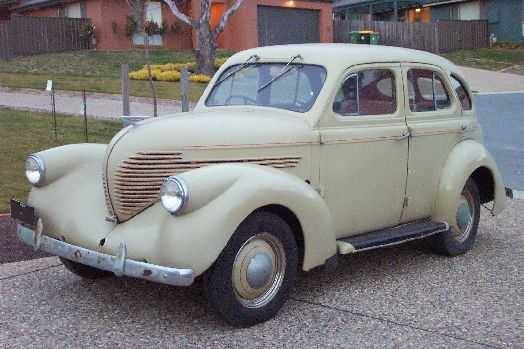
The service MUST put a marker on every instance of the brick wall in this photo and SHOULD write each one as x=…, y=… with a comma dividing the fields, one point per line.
x=109, y=18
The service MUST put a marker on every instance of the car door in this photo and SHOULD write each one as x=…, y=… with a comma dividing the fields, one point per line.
x=364, y=149
x=436, y=124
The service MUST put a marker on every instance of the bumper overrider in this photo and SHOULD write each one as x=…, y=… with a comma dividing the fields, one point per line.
x=30, y=231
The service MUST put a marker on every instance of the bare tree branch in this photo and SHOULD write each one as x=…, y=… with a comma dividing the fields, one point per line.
x=179, y=14
x=225, y=17
x=205, y=11
x=137, y=7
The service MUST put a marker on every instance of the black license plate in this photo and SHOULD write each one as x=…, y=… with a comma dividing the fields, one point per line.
x=23, y=212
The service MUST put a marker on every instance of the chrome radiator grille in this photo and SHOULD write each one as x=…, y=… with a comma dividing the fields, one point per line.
x=138, y=179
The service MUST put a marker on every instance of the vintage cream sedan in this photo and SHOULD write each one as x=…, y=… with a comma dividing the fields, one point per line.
x=294, y=155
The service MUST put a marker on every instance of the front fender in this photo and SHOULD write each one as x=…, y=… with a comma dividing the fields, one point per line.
x=221, y=197
x=464, y=159
x=63, y=160
x=71, y=201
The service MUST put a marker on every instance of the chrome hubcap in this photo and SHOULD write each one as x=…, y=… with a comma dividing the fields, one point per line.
x=465, y=216
x=258, y=270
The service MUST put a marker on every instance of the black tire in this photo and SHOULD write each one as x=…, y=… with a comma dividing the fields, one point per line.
x=447, y=243
x=218, y=280
x=85, y=271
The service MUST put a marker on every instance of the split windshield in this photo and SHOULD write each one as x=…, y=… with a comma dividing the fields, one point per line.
x=291, y=86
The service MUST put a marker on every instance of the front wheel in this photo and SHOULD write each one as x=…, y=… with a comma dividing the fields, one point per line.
x=251, y=279
x=458, y=241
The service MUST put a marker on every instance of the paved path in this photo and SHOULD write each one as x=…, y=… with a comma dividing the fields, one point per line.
x=490, y=81
x=99, y=105
x=397, y=297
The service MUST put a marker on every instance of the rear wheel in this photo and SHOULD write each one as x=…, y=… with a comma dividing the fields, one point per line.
x=84, y=271
x=458, y=241
x=251, y=279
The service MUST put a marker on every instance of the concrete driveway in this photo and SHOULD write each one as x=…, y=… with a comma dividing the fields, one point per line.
x=396, y=297
x=485, y=81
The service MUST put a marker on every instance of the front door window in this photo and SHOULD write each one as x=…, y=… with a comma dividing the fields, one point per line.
x=368, y=92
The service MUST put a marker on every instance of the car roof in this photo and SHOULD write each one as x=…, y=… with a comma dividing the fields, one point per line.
x=337, y=56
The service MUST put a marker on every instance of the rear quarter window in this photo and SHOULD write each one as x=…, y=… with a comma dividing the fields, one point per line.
x=462, y=93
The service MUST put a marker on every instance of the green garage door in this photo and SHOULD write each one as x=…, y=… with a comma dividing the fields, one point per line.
x=280, y=25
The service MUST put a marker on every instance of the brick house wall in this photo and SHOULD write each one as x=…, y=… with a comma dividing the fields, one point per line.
x=242, y=30
x=109, y=18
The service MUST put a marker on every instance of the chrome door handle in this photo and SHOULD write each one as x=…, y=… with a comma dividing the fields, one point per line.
x=403, y=135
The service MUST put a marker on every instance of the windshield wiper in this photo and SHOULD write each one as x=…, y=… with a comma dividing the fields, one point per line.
x=249, y=61
x=282, y=72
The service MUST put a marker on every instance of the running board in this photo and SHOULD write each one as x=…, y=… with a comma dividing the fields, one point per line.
x=390, y=236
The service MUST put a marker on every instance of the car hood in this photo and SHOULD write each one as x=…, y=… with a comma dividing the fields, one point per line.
x=223, y=127
x=140, y=157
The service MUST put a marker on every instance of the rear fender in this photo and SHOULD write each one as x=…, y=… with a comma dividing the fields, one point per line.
x=464, y=159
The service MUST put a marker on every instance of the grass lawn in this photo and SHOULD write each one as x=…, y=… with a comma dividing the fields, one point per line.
x=22, y=133
x=96, y=71
x=488, y=58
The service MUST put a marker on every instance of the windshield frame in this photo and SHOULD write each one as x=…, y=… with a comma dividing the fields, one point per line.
x=323, y=70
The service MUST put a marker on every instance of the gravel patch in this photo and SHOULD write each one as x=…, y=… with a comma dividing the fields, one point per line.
x=11, y=248
x=397, y=297
x=476, y=296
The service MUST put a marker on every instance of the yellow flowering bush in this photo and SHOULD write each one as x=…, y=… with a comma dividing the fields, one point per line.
x=219, y=62
x=187, y=65
x=172, y=75
x=138, y=75
x=171, y=71
x=200, y=78
x=163, y=67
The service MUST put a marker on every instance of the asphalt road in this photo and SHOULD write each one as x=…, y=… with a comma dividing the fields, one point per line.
x=502, y=120
x=397, y=297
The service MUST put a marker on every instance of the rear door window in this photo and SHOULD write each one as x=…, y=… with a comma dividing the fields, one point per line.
x=427, y=91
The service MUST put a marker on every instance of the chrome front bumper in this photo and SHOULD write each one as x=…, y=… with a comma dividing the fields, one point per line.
x=119, y=264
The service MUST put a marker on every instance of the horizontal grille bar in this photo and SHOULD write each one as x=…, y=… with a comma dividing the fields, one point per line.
x=138, y=179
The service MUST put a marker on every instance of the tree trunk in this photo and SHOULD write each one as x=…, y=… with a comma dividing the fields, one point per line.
x=206, y=50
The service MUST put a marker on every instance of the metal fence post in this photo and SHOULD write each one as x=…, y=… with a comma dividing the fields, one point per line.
x=53, y=111
x=437, y=38
x=125, y=90
x=184, y=87
x=84, y=107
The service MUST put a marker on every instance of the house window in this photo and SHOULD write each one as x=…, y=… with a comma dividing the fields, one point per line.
x=73, y=10
x=454, y=13
x=153, y=13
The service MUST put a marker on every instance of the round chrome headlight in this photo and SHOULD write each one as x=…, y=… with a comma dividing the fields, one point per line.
x=34, y=169
x=174, y=195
